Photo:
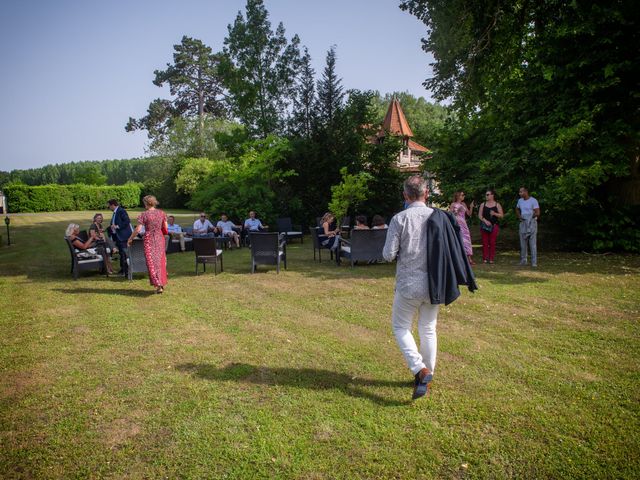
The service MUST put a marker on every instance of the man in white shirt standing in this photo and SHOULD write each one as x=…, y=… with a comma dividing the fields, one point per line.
x=528, y=212
x=202, y=227
x=226, y=226
x=407, y=241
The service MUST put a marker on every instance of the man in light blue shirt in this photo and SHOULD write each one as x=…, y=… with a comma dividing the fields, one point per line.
x=528, y=212
x=407, y=242
x=175, y=231
x=252, y=224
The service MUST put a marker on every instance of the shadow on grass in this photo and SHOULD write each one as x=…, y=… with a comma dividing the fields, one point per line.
x=106, y=291
x=308, y=378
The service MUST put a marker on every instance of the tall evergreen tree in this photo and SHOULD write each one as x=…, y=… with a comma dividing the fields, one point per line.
x=196, y=87
x=330, y=94
x=259, y=69
x=303, y=115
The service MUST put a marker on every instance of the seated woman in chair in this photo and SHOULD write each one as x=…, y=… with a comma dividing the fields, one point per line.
x=73, y=232
x=96, y=232
x=331, y=232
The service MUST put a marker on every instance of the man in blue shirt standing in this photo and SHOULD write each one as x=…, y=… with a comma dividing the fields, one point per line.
x=528, y=212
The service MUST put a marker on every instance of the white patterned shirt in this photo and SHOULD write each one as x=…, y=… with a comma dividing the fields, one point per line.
x=407, y=240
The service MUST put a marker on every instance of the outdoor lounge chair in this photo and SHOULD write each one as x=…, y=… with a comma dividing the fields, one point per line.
x=83, y=260
x=268, y=249
x=364, y=246
x=136, y=261
x=284, y=226
x=345, y=226
x=317, y=238
x=207, y=251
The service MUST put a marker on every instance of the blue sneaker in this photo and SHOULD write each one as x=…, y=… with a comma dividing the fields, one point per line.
x=422, y=383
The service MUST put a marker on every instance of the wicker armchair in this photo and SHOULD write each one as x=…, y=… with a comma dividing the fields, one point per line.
x=81, y=261
x=136, y=261
x=317, y=235
x=363, y=245
x=207, y=252
x=285, y=226
x=268, y=249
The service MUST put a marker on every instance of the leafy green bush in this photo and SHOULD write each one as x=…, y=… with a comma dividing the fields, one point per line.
x=250, y=182
x=53, y=198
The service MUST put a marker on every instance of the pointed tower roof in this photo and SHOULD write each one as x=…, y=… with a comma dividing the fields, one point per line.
x=395, y=122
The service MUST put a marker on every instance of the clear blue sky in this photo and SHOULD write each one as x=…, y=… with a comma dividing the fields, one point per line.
x=75, y=70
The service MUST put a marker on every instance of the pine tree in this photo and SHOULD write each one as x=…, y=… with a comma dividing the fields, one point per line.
x=196, y=86
x=330, y=94
x=303, y=115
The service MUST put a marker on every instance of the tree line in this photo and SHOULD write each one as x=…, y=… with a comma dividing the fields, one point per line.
x=542, y=94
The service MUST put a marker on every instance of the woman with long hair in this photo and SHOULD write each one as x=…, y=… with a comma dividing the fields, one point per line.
x=331, y=231
x=489, y=213
x=155, y=225
x=459, y=208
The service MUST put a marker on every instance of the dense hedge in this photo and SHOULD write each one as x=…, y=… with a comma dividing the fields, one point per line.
x=55, y=198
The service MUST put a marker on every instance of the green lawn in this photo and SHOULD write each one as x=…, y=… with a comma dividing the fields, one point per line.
x=298, y=375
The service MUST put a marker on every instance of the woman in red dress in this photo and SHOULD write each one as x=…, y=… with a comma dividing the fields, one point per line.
x=155, y=224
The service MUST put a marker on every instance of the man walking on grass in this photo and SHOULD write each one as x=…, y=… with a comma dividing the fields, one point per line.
x=407, y=241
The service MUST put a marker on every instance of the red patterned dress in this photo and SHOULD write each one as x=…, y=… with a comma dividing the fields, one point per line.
x=154, y=249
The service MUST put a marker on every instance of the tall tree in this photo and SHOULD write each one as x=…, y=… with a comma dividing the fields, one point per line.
x=546, y=94
x=196, y=86
x=303, y=114
x=330, y=94
x=259, y=70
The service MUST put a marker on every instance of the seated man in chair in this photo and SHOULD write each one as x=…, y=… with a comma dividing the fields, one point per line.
x=175, y=231
x=226, y=229
x=253, y=224
x=202, y=227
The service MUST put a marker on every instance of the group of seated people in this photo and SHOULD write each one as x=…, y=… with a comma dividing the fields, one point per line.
x=377, y=222
x=203, y=228
x=330, y=236
x=95, y=243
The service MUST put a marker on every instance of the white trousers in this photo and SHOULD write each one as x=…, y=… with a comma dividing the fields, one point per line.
x=404, y=309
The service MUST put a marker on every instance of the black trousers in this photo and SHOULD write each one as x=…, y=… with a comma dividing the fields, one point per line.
x=121, y=245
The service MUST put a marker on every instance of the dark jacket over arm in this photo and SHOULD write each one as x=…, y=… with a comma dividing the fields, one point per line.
x=447, y=263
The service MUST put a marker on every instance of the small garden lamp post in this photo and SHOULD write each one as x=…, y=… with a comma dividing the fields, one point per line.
x=7, y=221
